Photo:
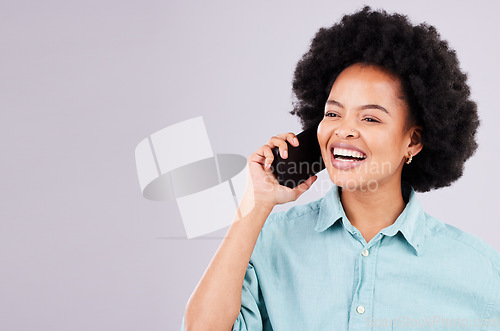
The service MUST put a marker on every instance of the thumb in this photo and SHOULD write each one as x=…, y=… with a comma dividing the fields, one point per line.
x=304, y=186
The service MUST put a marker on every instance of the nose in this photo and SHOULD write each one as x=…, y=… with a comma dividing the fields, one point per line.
x=346, y=132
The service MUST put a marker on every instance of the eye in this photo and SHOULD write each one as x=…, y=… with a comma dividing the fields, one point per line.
x=371, y=119
x=329, y=114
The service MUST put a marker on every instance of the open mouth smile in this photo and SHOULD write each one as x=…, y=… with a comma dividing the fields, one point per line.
x=344, y=156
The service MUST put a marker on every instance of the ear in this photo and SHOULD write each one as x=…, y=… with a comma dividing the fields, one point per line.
x=415, y=145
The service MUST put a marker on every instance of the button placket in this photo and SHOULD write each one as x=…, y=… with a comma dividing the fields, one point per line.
x=363, y=298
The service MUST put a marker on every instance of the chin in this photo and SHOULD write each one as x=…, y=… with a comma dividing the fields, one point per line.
x=353, y=182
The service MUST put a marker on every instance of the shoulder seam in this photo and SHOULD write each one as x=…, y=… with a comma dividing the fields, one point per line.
x=492, y=261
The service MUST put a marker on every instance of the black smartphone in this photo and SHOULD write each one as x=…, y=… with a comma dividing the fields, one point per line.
x=302, y=162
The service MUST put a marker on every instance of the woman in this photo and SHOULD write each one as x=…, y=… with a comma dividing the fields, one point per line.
x=395, y=118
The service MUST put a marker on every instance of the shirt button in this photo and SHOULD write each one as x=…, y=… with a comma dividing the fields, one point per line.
x=360, y=309
x=365, y=252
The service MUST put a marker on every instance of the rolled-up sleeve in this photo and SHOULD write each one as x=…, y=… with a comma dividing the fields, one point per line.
x=253, y=313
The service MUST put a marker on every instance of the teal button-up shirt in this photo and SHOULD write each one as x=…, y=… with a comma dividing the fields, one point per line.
x=311, y=269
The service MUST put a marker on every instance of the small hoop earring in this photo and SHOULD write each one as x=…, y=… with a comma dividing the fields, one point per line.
x=409, y=158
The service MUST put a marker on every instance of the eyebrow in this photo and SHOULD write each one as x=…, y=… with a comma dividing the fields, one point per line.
x=371, y=106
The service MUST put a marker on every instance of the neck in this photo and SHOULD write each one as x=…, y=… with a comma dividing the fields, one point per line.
x=371, y=211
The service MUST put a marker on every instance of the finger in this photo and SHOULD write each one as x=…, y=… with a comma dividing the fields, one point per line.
x=290, y=137
x=256, y=157
x=262, y=156
x=268, y=155
x=299, y=189
x=281, y=144
x=293, y=140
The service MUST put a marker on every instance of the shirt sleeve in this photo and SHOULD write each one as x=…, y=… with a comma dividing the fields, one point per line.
x=492, y=320
x=253, y=313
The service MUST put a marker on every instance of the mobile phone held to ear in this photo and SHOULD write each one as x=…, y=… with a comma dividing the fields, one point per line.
x=302, y=162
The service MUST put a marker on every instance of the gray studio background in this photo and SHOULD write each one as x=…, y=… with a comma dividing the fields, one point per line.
x=82, y=82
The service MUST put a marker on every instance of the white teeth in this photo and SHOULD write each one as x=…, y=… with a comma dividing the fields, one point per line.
x=348, y=152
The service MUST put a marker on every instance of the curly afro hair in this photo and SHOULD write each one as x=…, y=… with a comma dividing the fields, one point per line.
x=435, y=88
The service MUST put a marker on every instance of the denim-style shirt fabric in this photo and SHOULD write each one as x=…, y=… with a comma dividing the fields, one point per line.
x=311, y=269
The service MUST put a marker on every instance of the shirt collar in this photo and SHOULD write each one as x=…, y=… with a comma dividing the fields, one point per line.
x=410, y=222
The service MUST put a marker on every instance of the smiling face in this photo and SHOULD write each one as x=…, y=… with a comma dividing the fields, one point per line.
x=364, y=136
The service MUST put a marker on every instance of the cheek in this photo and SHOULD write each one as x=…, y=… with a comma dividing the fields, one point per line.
x=324, y=133
x=382, y=141
x=389, y=145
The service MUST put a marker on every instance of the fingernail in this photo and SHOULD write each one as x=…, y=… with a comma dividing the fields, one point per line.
x=295, y=141
x=285, y=153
